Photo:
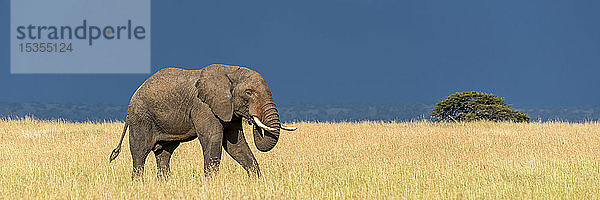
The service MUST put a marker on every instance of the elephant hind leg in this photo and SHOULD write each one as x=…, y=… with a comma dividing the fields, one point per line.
x=141, y=142
x=163, y=152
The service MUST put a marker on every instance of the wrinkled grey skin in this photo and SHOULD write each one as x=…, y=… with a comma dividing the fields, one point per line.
x=176, y=105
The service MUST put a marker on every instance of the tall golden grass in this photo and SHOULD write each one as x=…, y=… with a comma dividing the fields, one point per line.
x=366, y=160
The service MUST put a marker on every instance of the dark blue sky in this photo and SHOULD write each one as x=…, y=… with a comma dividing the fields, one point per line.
x=533, y=53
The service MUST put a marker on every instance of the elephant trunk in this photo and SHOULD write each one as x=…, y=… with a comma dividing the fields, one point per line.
x=265, y=140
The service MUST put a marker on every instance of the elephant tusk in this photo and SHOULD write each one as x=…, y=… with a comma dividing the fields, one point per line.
x=263, y=126
x=290, y=128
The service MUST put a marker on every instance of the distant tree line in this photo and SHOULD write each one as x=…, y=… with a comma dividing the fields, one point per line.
x=289, y=113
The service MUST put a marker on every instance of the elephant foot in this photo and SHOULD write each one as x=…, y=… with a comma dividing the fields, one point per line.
x=162, y=175
x=137, y=174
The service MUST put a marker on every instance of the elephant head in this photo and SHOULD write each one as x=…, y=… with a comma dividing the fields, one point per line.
x=238, y=92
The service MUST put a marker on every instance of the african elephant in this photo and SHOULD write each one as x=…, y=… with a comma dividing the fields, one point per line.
x=177, y=105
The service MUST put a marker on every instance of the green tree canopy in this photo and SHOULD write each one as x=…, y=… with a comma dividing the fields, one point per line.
x=472, y=106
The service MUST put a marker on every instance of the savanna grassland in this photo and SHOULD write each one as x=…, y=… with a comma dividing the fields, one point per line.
x=42, y=159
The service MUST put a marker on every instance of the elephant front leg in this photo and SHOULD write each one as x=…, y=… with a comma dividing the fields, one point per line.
x=211, y=149
x=210, y=133
x=236, y=146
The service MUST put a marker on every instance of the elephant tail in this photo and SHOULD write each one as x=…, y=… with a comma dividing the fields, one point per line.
x=117, y=150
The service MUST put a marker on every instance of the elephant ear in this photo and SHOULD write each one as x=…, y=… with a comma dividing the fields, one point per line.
x=214, y=89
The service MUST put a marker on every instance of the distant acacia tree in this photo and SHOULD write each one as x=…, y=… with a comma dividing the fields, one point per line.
x=472, y=106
